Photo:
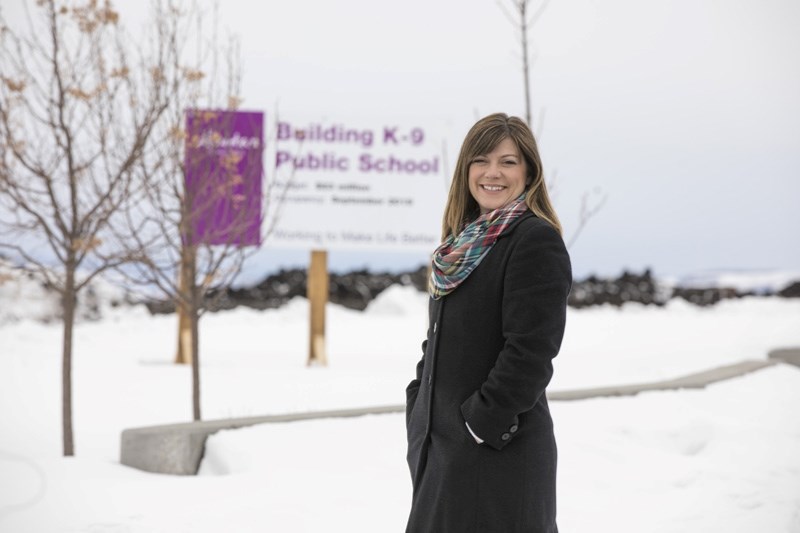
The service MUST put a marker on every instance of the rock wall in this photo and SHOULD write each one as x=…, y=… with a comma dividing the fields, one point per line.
x=355, y=290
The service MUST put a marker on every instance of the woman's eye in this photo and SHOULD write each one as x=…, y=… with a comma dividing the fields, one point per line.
x=509, y=162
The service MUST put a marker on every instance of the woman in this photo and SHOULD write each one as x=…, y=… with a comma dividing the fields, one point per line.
x=480, y=438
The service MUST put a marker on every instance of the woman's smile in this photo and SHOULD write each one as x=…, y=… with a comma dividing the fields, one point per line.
x=497, y=178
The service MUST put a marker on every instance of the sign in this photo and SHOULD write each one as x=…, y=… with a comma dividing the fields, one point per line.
x=355, y=185
x=224, y=173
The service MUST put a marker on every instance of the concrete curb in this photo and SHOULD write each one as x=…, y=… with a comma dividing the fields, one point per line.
x=691, y=381
x=786, y=355
x=178, y=448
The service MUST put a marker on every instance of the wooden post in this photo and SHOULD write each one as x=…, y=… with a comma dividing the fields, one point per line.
x=317, y=293
x=185, y=280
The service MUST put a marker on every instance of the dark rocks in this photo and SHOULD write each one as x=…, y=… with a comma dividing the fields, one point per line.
x=160, y=307
x=355, y=290
x=707, y=296
x=274, y=291
x=628, y=287
x=790, y=291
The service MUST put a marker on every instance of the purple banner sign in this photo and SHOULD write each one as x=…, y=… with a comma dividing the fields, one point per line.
x=224, y=173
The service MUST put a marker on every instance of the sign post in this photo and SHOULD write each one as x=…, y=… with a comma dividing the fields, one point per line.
x=317, y=293
x=222, y=202
x=359, y=185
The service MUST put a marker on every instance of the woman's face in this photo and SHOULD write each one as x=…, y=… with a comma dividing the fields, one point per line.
x=497, y=178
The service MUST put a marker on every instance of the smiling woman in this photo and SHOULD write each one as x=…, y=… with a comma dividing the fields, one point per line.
x=499, y=151
x=481, y=449
x=497, y=178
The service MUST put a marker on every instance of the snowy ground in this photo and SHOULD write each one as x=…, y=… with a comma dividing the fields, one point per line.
x=722, y=459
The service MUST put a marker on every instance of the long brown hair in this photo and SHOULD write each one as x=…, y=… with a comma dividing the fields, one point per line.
x=481, y=139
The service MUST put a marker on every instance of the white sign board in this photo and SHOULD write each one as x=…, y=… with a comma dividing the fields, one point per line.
x=345, y=185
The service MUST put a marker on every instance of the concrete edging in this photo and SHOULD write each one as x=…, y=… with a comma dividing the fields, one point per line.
x=178, y=448
x=691, y=381
x=786, y=355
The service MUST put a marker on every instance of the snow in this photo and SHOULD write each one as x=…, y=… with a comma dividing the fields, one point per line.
x=718, y=459
x=603, y=346
x=721, y=459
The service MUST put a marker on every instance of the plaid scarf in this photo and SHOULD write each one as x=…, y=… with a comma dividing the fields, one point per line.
x=459, y=255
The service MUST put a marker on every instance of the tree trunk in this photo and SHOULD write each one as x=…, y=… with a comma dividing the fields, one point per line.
x=194, y=318
x=524, y=32
x=68, y=308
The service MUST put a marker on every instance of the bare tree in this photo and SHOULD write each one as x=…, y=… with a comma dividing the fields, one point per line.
x=523, y=17
x=175, y=249
x=76, y=113
x=589, y=209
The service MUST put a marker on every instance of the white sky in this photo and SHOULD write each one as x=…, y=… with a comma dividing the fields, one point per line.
x=685, y=114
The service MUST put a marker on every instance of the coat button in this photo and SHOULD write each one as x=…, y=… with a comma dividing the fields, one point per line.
x=513, y=429
x=505, y=436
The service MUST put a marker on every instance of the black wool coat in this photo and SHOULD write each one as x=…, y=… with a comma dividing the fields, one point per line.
x=486, y=361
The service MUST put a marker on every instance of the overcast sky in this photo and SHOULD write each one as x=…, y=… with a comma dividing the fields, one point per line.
x=684, y=114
